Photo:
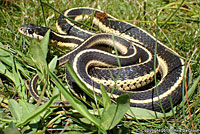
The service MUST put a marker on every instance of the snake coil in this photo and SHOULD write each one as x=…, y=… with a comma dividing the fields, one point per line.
x=136, y=56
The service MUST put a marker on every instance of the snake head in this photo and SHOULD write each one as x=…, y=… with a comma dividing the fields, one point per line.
x=33, y=31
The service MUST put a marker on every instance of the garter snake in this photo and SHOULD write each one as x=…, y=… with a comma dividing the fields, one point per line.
x=136, y=55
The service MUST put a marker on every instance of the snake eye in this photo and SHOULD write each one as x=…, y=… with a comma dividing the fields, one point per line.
x=30, y=31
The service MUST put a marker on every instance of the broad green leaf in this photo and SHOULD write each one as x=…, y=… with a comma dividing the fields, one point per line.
x=138, y=113
x=38, y=56
x=113, y=115
x=105, y=97
x=15, y=109
x=28, y=109
x=76, y=104
x=45, y=43
x=145, y=114
x=39, y=53
x=6, y=72
x=11, y=129
x=19, y=83
x=52, y=64
x=37, y=112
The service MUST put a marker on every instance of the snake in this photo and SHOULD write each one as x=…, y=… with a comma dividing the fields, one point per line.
x=136, y=58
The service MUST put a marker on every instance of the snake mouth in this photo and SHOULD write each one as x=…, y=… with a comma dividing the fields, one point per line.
x=33, y=31
x=27, y=29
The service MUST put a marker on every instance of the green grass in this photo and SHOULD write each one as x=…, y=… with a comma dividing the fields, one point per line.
x=176, y=26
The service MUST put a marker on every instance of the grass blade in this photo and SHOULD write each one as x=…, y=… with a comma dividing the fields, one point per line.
x=191, y=90
x=82, y=85
x=76, y=104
